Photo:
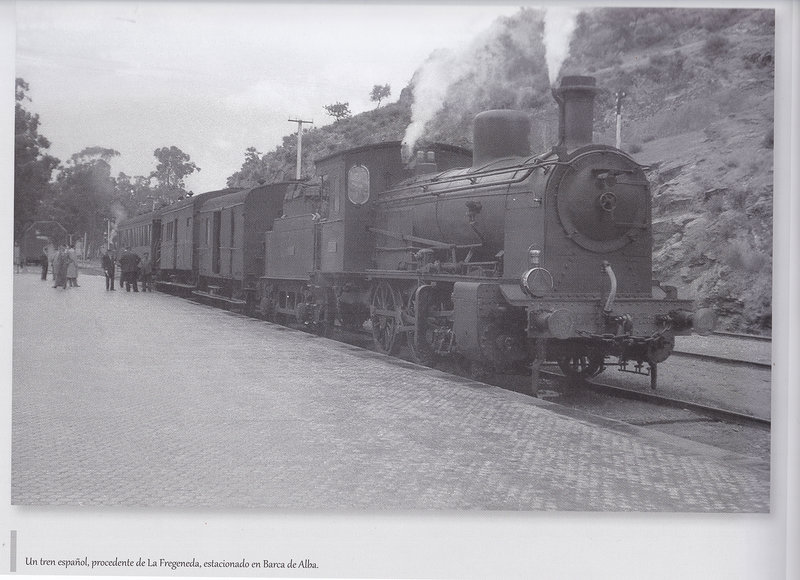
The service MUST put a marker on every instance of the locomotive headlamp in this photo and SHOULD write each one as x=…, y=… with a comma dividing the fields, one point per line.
x=534, y=256
x=536, y=282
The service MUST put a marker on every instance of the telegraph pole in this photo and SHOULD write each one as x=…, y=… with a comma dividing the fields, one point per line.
x=299, y=141
x=619, y=95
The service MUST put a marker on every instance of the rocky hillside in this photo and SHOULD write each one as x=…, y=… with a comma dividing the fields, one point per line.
x=698, y=111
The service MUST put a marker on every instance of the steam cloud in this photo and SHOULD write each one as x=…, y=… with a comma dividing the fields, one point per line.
x=119, y=215
x=486, y=72
x=440, y=71
x=559, y=25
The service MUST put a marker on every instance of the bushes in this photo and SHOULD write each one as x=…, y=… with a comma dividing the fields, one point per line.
x=738, y=255
x=716, y=45
x=717, y=19
x=690, y=116
x=664, y=68
x=769, y=139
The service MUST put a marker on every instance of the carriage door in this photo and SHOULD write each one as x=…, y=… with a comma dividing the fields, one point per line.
x=155, y=252
x=174, y=235
x=215, y=239
x=233, y=241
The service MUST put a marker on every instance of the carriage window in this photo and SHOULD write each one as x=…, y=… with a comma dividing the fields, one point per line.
x=358, y=184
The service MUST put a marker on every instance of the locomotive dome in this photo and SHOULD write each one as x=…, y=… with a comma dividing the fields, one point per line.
x=500, y=133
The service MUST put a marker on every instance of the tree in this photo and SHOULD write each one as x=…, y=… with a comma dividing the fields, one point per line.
x=84, y=191
x=338, y=110
x=133, y=195
x=379, y=93
x=252, y=171
x=33, y=167
x=173, y=166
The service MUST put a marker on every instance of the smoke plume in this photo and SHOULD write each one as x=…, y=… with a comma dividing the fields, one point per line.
x=440, y=71
x=559, y=25
x=501, y=68
x=120, y=214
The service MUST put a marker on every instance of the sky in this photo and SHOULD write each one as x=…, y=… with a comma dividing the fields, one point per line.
x=214, y=78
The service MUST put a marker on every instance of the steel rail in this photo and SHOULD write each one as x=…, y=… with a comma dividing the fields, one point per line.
x=652, y=398
x=757, y=337
x=722, y=359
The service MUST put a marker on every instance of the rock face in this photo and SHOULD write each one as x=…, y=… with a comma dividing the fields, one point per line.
x=712, y=205
x=700, y=114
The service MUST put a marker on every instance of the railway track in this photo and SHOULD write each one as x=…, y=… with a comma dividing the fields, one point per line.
x=755, y=337
x=722, y=359
x=712, y=412
x=736, y=353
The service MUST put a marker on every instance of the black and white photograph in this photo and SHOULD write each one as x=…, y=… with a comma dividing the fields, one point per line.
x=407, y=290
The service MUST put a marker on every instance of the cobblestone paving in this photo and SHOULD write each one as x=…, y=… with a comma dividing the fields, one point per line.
x=214, y=409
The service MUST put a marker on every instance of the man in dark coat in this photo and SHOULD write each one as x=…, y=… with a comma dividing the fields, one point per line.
x=60, y=267
x=129, y=264
x=44, y=261
x=107, y=262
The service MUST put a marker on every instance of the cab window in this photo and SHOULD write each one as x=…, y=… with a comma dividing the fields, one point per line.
x=358, y=184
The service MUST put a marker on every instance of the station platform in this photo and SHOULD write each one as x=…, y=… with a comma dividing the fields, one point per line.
x=124, y=399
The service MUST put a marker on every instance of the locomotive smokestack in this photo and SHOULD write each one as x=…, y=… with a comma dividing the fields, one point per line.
x=500, y=133
x=575, y=100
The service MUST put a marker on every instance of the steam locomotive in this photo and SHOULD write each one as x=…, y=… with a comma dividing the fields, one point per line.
x=499, y=258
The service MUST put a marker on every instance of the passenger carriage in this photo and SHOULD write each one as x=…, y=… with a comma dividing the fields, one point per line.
x=178, y=242
x=141, y=233
x=230, y=241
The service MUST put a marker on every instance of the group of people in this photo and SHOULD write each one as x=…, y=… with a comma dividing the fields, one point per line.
x=133, y=270
x=64, y=264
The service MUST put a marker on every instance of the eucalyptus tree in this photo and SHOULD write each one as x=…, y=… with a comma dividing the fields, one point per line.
x=83, y=192
x=33, y=166
x=173, y=167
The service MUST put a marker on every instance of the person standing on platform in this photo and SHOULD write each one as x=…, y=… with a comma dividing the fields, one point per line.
x=60, y=265
x=44, y=259
x=108, y=268
x=129, y=263
x=17, y=258
x=53, y=256
x=72, y=267
x=146, y=271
